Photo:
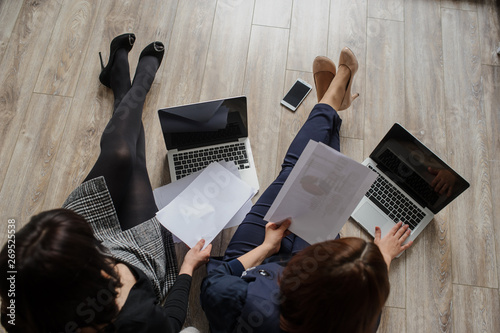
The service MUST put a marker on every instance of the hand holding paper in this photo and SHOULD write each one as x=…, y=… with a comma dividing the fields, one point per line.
x=206, y=205
x=320, y=193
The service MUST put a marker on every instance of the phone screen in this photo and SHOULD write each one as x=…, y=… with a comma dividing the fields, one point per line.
x=296, y=94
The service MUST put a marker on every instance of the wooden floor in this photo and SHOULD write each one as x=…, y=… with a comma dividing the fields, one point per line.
x=430, y=65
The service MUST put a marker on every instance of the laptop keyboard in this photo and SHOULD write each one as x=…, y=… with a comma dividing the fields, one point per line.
x=185, y=163
x=393, y=163
x=393, y=203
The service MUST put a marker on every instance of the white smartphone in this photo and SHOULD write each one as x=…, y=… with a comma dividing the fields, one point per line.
x=296, y=94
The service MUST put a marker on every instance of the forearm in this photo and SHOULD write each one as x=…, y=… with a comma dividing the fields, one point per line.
x=256, y=256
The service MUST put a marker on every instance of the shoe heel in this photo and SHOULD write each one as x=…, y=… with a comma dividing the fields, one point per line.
x=102, y=63
x=348, y=59
x=125, y=41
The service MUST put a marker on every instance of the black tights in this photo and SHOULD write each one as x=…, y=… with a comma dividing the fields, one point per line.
x=122, y=160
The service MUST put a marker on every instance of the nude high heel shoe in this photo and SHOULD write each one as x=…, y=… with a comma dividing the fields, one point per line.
x=323, y=71
x=348, y=59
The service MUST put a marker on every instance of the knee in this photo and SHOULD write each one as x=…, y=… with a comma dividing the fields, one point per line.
x=119, y=157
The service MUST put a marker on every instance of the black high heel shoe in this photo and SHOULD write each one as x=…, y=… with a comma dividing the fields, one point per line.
x=155, y=49
x=125, y=41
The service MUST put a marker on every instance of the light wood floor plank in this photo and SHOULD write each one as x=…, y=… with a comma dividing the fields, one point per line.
x=275, y=13
x=28, y=41
x=384, y=101
x=424, y=88
x=476, y=309
x=308, y=33
x=186, y=56
x=9, y=11
x=66, y=51
x=352, y=148
x=229, y=41
x=489, y=29
x=429, y=260
x=264, y=82
x=428, y=279
x=33, y=159
x=386, y=9
x=490, y=105
x=474, y=257
x=393, y=320
x=348, y=28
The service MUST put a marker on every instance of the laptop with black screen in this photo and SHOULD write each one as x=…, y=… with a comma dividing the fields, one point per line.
x=413, y=185
x=200, y=133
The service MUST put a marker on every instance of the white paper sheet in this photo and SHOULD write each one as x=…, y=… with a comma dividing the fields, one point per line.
x=320, y=193
x=206, y=205
x=165, y=194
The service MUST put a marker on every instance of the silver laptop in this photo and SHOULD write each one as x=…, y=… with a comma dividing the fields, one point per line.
x=413, y=185
x=201, y=133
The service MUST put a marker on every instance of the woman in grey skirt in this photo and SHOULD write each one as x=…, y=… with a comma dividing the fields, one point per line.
x=103, y=263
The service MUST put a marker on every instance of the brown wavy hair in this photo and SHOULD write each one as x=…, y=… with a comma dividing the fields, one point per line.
x=64, y=279
x=334, y=286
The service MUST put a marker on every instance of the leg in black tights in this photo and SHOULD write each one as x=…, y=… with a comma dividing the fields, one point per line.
x=122, y=160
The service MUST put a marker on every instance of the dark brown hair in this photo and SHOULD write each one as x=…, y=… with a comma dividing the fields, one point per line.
x=334, y=286
x=64, y=278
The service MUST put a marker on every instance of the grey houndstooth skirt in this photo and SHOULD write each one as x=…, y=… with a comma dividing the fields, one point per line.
x=148, y=246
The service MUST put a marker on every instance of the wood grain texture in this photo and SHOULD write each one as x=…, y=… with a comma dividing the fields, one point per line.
x=386, y=9
x=393, y=320
x=352, y=148
x=264, y=82
x=33, y=159
x=490, y=104
x=348, y=28
x=229, y=41
x=429, y=289
x=475, y=309
x=424, y=63
x=473, y=256
x=308, y=33
x=429, y=260
x=9, y=11
x=275, y=13
x=385, y=78
x=63, y=60
x=489, y=30
x=22, y=58
x=187, y=53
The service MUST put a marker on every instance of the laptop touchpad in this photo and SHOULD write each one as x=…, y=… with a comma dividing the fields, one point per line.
x=374, y=218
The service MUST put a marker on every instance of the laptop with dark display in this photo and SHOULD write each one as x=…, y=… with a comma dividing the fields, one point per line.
x=200, y=133
x=413, y=185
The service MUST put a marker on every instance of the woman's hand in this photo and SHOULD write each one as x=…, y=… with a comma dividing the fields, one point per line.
x=270, y=246
x=274, y=235
x=195, y=258
x=392, y=243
